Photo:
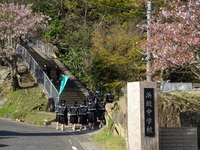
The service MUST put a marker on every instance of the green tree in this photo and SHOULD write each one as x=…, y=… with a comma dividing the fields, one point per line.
x=115, y=59
x=87, y=18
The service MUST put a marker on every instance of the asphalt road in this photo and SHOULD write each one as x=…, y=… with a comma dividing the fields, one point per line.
x=22, y=136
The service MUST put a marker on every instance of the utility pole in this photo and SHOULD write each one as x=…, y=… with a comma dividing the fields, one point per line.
x=149, y=55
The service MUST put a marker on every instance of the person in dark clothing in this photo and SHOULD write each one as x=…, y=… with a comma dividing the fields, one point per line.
x=99, y=95
x=74, y=115
x=110, y=97
x=101, y=112
x=90, y=96
x=92, y=113
x=58, y=73
x=47, y=70
x=61, y=115
x=82, y=112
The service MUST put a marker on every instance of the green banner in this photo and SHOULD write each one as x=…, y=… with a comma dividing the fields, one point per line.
x=62, y=85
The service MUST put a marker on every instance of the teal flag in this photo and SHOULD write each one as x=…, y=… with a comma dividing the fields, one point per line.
x=62, y=85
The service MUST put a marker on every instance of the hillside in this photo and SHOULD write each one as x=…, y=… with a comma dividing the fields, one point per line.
x=25, y=104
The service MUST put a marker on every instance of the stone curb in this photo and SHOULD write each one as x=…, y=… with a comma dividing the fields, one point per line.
x=49, y=122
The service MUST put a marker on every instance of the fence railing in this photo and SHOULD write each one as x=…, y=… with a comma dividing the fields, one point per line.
x=49, y=50
x=45, y=48
x=39, y=74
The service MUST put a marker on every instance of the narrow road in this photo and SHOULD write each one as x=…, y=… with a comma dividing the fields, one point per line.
x=22, y=136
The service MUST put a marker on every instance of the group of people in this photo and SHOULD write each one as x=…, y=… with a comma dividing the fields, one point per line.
x=84, y=114
x=47, y=70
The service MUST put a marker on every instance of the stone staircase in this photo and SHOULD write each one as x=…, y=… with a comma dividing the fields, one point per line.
x=74, y=90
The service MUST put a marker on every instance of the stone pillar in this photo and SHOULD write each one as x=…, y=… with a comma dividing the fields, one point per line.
x=142, y=116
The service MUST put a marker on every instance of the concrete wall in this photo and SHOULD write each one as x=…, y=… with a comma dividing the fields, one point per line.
x=164, y=86
x=176, y=86
x=180, y=138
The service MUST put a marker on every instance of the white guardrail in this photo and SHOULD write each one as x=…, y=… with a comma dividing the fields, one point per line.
x=165, y=86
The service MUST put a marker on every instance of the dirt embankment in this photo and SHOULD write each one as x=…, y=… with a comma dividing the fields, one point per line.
x=179, y=108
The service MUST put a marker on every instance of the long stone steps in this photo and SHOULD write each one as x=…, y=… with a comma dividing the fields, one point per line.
x=73, y=91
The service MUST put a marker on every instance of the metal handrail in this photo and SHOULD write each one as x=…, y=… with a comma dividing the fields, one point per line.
x=45, y=48
x=39, y=74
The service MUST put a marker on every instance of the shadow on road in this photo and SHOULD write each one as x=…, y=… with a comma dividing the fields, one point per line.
x=68, y=132
x=3, y=145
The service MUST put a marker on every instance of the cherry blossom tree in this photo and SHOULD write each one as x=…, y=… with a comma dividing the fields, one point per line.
x=16, y=21
x=175, y=36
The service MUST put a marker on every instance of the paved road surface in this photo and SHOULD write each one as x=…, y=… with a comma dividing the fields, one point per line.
x=22, y=136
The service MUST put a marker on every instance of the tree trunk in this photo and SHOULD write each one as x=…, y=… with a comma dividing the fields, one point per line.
x=15, y=83
x=12, y=62
x=14, y=73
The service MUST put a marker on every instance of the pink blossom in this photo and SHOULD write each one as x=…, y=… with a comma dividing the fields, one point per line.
x=17, y=20
x=175, y=42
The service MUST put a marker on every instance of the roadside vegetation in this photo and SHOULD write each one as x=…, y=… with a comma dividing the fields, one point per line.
x=109, y=141
x=26, y=104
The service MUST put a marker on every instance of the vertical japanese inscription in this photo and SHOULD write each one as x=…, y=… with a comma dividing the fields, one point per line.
x=149, y=115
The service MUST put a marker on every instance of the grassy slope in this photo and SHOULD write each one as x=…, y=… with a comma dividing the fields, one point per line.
x=24, y=104
x=109, y=141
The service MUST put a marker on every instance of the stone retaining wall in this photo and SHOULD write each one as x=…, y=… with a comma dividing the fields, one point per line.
x=180, y=138
x=4, y=71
